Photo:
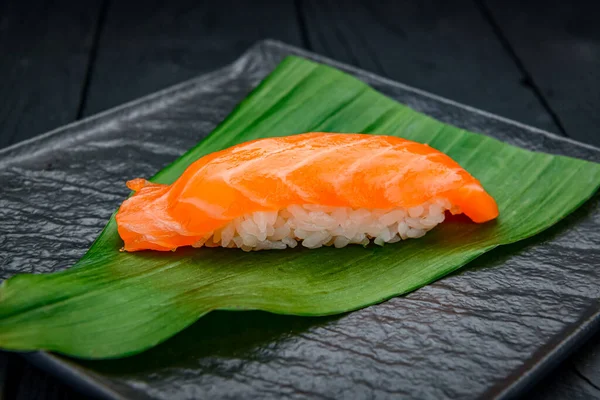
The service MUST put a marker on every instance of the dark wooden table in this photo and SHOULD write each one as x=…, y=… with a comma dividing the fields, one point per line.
x=537, y=63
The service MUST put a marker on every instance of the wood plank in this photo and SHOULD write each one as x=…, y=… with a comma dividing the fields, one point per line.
x=144, y=49
x=559, y=44
x=45, y=48
x=447, y=48
x=562, y=384
x=586, y=363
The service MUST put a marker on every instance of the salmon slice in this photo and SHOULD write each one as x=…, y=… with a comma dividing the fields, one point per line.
x=356, y=171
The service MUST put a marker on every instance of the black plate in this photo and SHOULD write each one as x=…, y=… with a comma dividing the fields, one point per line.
x=490, y=330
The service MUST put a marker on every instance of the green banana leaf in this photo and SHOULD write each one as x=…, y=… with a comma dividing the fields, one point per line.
x=113, y=304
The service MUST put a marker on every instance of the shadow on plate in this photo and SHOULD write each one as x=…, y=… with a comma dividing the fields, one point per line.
x=502, y=253
x=255, y=335
x=247, y=335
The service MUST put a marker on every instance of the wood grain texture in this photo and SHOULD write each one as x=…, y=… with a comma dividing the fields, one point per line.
x=447, y=48
x=566, y=382
x=144, y=49
x=586, y=363
x=44, y=46
x=563, y=383
x=559, y=44
x=137, y=56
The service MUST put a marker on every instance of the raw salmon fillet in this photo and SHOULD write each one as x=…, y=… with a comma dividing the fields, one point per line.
x=357, y=171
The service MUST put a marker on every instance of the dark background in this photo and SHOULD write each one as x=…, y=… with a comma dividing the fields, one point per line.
x=536, y=62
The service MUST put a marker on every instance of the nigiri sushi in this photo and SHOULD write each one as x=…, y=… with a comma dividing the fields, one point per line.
x=312, y=189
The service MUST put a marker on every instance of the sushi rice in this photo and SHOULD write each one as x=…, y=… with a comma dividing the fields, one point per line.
x=314, y=189
x=314, y=226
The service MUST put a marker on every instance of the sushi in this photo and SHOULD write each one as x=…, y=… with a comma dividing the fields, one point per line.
x=312, y=189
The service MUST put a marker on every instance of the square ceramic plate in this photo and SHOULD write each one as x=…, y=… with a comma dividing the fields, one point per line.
x=489, y=330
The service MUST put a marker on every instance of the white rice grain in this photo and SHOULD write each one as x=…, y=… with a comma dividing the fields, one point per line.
x=314, y=226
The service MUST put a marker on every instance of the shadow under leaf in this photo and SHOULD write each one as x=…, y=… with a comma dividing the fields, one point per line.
x=500, y=254
x=252, y=335
x=248, y=335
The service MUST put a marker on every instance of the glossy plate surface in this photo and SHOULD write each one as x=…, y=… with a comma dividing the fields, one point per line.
x=489, y=330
